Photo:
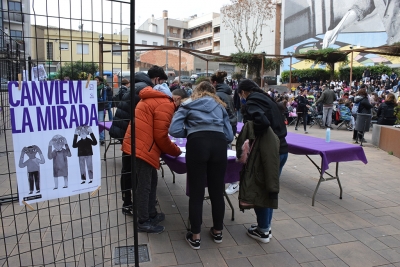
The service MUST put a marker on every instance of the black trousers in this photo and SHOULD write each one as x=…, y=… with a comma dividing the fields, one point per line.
x=206, y=161
x=303, y=115
x=126, y=184
x=146, y=190
x=34, y=177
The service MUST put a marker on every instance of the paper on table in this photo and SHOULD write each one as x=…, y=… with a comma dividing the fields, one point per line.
x=183, y=149
x=231, y=153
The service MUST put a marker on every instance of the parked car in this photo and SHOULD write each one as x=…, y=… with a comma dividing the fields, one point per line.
x=194, y=77
x=270, y=80
x=183, y=79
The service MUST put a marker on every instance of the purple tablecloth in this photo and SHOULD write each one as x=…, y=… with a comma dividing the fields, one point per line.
x=178, y=165
x=104, y=125
x=330, y=152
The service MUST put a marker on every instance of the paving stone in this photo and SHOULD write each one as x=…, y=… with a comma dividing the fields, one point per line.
x=288, y=229
x=299, y=210
x=390, y=241
x=336, y=262
x=322, y=253
x=384, y=230
x=282, y=259
x=242, y=251
x=318, y=240
x=164, y=259
x=160, y=243
x=390, y=254
x=211, y=257
x=297, y=250
x=183, y=253
x=357, y=254
x=348, y=221
x=320, y=219
x=310, y=226
x=368, y=239
x=240, y=262
x=312, y=264
x=239, y=234
x=273, y=246
x=338, y=232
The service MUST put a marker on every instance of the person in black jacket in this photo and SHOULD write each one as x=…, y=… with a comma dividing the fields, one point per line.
x=264, y=112
x=224, y=92
x=302, y=109
x=386, y=111
x=154, y=76
x=364, y=107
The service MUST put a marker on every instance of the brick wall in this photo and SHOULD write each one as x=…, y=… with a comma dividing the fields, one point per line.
x=158, y=58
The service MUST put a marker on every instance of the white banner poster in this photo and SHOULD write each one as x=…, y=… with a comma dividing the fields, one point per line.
x=56, y=138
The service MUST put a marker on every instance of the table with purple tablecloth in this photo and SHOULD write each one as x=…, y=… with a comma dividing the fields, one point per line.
x=178, y=165
x=332, y=151
x=106, y=126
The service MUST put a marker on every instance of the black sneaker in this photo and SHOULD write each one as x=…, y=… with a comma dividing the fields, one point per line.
x=194, y=244
x=254, y=226
x=158, y=218
x=127, y=210
x=150, y=228
x=217, y=237
x=258, y=235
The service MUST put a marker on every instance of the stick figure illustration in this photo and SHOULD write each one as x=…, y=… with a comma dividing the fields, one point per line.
x=59, y=156
x=85, y=151
x=32, y=164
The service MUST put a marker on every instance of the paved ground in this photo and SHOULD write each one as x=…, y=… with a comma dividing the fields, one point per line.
x=362, y=229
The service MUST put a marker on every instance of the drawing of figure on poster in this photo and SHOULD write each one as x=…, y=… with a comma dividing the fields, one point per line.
x=387, y=11
x=59, y=156
x=85, y=151
x=32, y=165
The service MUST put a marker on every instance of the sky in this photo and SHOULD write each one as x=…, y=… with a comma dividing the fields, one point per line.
x=109, y=17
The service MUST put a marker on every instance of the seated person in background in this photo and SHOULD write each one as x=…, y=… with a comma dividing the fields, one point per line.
x=386, y=114
x=345, y=113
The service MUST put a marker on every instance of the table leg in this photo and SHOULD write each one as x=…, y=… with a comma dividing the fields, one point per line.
x=322, y=179
x=230, y=205
x=105, y=152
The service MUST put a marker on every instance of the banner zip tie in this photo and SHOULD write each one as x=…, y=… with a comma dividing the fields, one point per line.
x=26, y=204
x=88, y=80
x=95, y=191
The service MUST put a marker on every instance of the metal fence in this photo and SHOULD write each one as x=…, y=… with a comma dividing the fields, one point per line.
x=85, y=229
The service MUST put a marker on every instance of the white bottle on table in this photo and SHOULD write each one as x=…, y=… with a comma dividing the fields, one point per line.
x=328, y=135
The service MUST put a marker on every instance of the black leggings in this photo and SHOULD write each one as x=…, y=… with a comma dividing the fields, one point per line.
x=206, y=160
x=126, y=182
x=304, y=115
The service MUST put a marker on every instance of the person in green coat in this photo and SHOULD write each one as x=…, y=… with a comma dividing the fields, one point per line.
x=264, y=112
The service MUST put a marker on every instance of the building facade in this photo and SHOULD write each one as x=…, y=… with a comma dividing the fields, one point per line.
x=55, y=46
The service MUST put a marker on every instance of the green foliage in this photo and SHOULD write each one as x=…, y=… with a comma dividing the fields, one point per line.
x=307, y=74
x=237, y=76
x=344, y=73
x=253, y=62
x=202, y=79
x=397, y=113
x=77, y=70
x=327, y=55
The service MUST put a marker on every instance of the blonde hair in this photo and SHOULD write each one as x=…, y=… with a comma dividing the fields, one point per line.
x=206, y=89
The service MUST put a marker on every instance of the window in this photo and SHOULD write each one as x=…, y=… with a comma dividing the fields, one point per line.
x=64, y=46
x=14, y=6
x=50, y=50
x=144, y=42
x=155, y=43
x=16, y=34
x=116, y=53
x=82, y=49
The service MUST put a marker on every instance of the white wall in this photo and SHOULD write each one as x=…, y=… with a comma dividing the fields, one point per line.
x=150, y=38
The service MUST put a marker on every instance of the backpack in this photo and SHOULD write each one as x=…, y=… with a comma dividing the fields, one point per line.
x=354, y=110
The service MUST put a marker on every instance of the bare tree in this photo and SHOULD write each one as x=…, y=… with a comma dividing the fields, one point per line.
x=246, y=19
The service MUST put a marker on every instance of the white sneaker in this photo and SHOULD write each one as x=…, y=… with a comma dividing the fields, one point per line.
x=232, y=189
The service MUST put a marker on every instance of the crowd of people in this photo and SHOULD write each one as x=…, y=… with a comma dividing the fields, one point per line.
x=207, y=117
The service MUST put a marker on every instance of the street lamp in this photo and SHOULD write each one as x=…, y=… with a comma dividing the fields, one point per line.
x=351, y=66
x=290, y=72
x=262, y=69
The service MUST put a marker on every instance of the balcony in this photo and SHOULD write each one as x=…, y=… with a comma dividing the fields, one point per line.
x=217, y=36
x=216, y=48
x=13, y=17
x=174, y=35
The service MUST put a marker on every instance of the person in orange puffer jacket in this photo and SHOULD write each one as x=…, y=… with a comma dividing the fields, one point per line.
x=153, y=115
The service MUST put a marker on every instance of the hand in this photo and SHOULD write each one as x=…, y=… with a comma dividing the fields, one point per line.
x=64, y=141
x=329, y=38
x=51, y=143
x=90, y=130
x=37, y=149
x=24, y=151
x=77, y=131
